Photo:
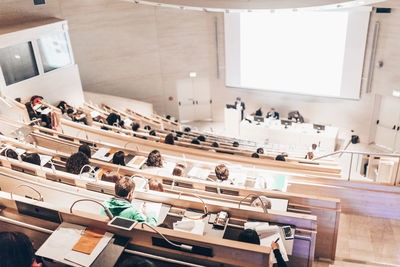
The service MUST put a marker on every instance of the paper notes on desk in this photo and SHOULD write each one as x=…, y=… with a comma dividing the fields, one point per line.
x=104, y=154
x=278, y=183
x=136, y=162
x=152, y=208
x=44, y=159
x=199, y=173
x=190, y=226
x=268, y=234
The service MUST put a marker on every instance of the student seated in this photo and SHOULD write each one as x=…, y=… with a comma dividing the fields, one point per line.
x=119, y=158
x=235, y=144
x=255, y=155
x=152, y=133
x=113, y=119
x=201, y=138
x=195, y=142
x=155, y=185
x=179, y=170
x=264, y=202
x=260, y=150
x=147, y=127
x=121, y=204
x=222, y=172
x=10, y=154
x=34, y=112
x=169, y=139
x=249, y=236
x=154, y=159
x=32, y=158
x=16, y=250
x=135, y=126
x=280, y=158
x=111, y=177
x=75, y=162
x=187, y=129
x=215, y=144
x=85, y=149
x=309, y=155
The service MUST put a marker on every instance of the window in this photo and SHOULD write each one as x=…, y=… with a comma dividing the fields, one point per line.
x=54, y=51
x=18, y=63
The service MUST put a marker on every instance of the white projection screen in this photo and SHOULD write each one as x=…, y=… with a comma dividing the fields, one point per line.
x=304, y=52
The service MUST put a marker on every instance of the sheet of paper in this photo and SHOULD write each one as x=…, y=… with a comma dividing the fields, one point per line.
x=101, y=154
x=136, y=162
x=267, y=240
x=44, y=159
x=151, y=207
x=190, y=226
x=199, y=173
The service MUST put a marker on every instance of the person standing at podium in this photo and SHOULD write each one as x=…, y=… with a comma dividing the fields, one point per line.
x=240, y=105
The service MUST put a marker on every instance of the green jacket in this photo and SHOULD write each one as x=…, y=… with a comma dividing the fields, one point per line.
x=122, y=208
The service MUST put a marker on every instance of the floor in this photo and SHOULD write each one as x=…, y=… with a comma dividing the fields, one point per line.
x=363, y=241
x=366, y=241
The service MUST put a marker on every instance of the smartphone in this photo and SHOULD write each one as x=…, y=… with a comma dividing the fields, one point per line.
x=288, y=232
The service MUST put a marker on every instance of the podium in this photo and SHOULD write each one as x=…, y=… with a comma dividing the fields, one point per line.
x=232, y=119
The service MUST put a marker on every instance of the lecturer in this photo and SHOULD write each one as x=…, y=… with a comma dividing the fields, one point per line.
x=240, y=105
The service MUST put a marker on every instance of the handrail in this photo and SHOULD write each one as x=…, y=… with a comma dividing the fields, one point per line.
x=357, y=153
x=363, y=153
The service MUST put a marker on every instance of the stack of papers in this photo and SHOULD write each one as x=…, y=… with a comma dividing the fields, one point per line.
x=104, y=154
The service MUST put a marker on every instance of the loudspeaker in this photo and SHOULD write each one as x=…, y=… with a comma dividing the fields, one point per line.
x=383, y=10
x=39, y=2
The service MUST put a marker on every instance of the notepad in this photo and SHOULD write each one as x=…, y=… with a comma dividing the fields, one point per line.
x=89, y=240
x=190, y=226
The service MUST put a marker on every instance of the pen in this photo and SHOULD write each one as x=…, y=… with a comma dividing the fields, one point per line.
x=277, y=240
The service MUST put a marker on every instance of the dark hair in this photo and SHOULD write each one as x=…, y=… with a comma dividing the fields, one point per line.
x=260, y=150
x=201, y=138
x=169, y=139
x=222, y=172
x=105, y=128
x=119, y=158
x=32, y=158
x=16, y=250
x=187, y=129
x=176, y=138
x=76, y=162
x=314, y=146
x=62, y=105
x=18, y=99
x=70, y=111
x=152, y=133
x=136, y=261
x=124, y=186
x=280, y=158
x=249, y=236
x=255, y=155
x=113, y=118
x=154, y=159
x=168, y=117
x=179, y=133
x=178, y=171
x=235, y=144
x=135, y=126
x=11, y=154
x=195, y=142
x=85, y=149
x=147, y=127
x=215, y=144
